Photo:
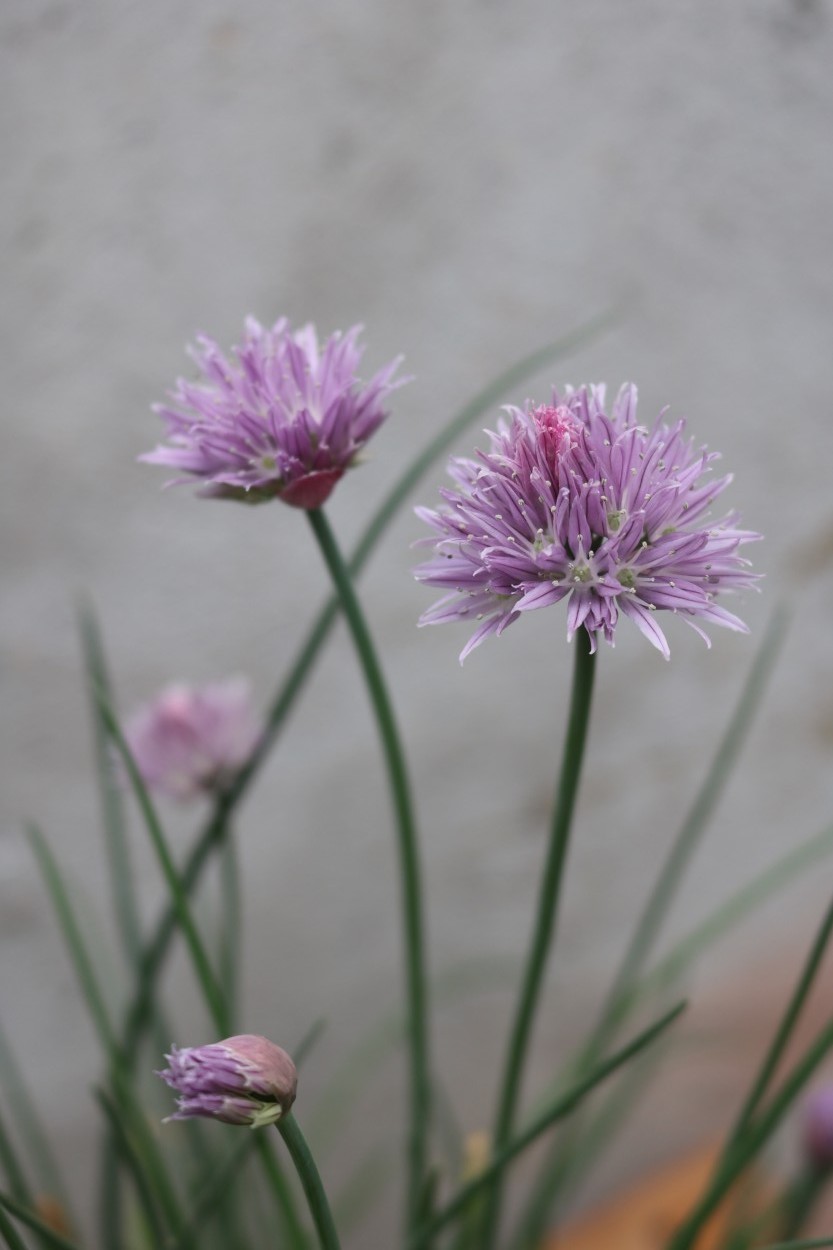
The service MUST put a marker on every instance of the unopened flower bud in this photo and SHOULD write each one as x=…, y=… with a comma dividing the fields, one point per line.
x=242, y=1080
x=192, y=740
x=817, y=1128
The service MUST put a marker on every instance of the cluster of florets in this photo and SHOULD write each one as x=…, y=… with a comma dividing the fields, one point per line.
x=280, y=417
x=572, y=503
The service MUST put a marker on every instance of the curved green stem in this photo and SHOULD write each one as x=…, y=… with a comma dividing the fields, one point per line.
x=156, y=949
x=409, y=868
x=546, y=916
x=756, y=1134
x=310, y=1180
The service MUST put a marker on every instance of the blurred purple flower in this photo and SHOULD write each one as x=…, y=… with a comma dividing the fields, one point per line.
x=280, y=417
x=242, y=1080
x=193, y=739
x=817, y=1128
x=570, y=503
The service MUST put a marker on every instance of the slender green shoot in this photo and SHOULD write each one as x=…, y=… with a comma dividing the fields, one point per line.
x=13, y=1167
x=74, y=941
x=546, y=916
x=667, y=973
x=410, y=882
x=212, y=834
x=291, y=1224
x=148, y=1198
x=214, y=1189
x=46, y=1234
x=125, y=908
x=211, y=991
x=310, y=1180
x=753, y=1140
x=743, y=1128
x=7, y=1229
x=695, y=824
x=562, y=1107
x=30, y=1127
x=786, y=1028
x=597, y=1131
x=230, y=935
x=620, y=995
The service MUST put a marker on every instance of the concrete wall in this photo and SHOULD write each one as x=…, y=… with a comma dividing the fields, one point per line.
x=469, y=180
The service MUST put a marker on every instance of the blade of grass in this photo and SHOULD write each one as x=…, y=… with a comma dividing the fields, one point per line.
x=673, y=966
x=13, y=1168
x=562, y=1107
x=694, y=826
x=212, y=1191
x=13, y=1241
x=336, y=1100
x=408, y=861
x=595, y=1135
x=156, y=948
x=213, y=996
x=308, y=1042
x=545, y=924
x=145, y=1194
x=46, y=1234
x=230, y=936
x=786, y=1027
x=30, y=1127
x=109, y=1207
x=751, y=896
x=125, y=909
x=754, y=1138
x=667, y=883
x=74, y=942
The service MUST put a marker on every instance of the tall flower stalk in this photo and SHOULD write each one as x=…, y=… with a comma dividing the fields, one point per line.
x=409, y=865
x=546, y=917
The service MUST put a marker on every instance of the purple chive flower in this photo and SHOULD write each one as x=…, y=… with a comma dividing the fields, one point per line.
x=242, y=1080
x=191, y=740
x=817, y=1128
x=281, y=417
x=571, y=503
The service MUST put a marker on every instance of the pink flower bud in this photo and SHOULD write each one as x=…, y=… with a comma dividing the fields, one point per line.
x=242, y=1080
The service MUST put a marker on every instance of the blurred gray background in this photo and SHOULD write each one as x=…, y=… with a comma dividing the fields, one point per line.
x=470, y=181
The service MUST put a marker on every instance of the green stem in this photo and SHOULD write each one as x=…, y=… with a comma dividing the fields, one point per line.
x=562, y=1107
x=27, y=1217
x=409, y=868
x=545, y=922
x=230, y=938
x=689, y=837
x=785, y=1029
x=292, y=1226
x=156, y=949
x=310, y=1180
x=734, y=1160
x=690, y=834
x=734, y=1145
x=797, y=1204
